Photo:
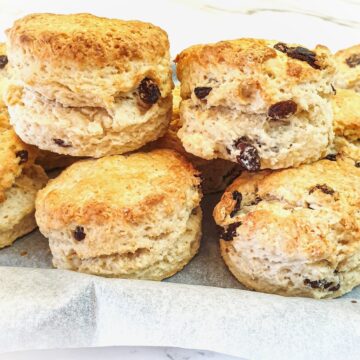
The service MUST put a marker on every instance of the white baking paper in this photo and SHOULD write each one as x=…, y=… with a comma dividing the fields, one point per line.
x=202, y=307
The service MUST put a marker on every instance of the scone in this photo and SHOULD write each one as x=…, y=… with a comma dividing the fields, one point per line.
x=135, y=216
x=262, y=104
x=348, y=68
x=216, y=174
x=20, y=180
x=294, y=232
x=88, y=86
x=346, y=108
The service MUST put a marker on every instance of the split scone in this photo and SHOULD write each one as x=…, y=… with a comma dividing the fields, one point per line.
x=216, y=174
x=262, y=104
x=88, y=86
x=346, y=108
x=348, y=68
x=294, y=232
x=20, y=180
x=135, y=216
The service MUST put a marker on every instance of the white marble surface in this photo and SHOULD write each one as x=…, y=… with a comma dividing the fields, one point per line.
x=114, y=353
x=334, y=23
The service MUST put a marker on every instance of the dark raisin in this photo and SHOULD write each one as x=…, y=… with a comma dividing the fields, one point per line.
x=335, y=288
x=255, y=201
x=299, y=53
x=354, y=301
x=353, y=60
x=331, y=157
x=318, y=284
x=202, y=92
x=282, y=109
x=230, y=231
x=3, y=61
x=357, y=164
x=333, y=89
x=281, y=47
x=324, y=188
x=23, y=155
x=61, y=143
x=238, y=198
x=303, y=54
x=79, y=233
x=149, y=92
x=249, y=158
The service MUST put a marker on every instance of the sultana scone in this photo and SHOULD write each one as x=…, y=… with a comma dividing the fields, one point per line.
x=134, y=216
x=262, y=104
x=294, y=232
x=83, y=85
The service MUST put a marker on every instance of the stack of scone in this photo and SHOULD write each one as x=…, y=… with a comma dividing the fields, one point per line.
x=264, y=112
x=86, y=86
x=268, y=105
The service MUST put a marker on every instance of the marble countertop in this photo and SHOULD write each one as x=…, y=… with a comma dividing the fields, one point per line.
x=333, y=23
x=115, y=353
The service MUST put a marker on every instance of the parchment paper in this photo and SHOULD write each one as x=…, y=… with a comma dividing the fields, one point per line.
x=202, y=307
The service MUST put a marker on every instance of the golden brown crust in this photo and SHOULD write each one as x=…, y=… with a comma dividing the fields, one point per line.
x=87, y=40
x=346, y=109
x=292, y=204
x=125, y=195
x=243, y=53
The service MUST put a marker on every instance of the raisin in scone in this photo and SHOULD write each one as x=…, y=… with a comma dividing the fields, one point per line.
x=135, y=216
x=346, y=108
x=294, y=232
x=216, y=174
x=88, y=86
x=348, y=68
x=20, y=180
x=262, y=104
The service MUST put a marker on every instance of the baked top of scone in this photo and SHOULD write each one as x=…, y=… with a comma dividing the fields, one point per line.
x=307, y=213
x=125, y=189
x=346, y=110
x=291, y=63
x=87, y=40
x=14, y=157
